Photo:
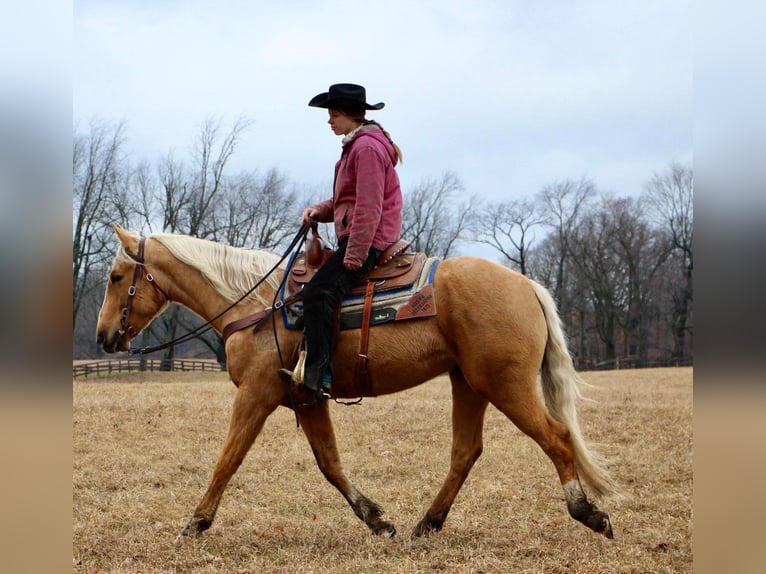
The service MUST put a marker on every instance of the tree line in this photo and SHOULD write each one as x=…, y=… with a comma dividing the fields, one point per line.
x=619, y=267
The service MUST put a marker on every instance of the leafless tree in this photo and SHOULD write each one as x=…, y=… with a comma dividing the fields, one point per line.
x=191, y=197
x=562, y=205
x=191, y=191
x=435, y=217
x=144, y=186
x=259, y=211
x=544, y=263
x=600, y=266
x=176, y=195
x=98, y=173
x=211, y=155
x=643, y=252
x=617, y=257
x=670, y=196
x=507, y=227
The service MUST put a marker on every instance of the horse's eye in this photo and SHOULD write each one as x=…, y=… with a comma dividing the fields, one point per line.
x=114, y=278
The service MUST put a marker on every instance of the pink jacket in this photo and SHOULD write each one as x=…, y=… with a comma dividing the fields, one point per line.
x=367, y=200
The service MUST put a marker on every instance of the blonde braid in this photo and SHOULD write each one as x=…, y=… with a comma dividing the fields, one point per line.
x=398, y=151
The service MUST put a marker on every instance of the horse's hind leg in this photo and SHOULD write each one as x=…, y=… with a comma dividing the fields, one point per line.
x=468, y=410
x=519, y=400
x=318, y=428
x=248, y=415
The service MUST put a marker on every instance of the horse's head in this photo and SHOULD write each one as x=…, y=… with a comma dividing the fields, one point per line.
x=131, y=300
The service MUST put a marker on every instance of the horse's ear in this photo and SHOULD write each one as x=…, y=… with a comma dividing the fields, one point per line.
x=129, y=240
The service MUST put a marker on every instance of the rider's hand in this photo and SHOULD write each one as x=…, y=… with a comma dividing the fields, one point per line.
x=308, y=214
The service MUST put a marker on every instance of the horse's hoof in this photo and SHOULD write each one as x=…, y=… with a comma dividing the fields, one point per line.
x=386, y=529
x=424, y=528
x=194, y=528
x=602, y=524
x=607, y=527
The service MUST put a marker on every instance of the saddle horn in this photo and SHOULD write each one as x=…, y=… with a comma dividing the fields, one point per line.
x=315, y=247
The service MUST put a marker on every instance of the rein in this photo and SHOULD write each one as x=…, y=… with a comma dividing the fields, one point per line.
x=139, y=259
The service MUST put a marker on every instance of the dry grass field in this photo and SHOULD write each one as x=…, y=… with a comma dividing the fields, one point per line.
x=145, y=445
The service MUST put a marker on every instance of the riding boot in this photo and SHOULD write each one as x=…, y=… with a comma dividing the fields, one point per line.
x=312, y=380
x=318, y=378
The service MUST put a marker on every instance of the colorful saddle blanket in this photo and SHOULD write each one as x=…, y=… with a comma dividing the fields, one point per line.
x=403, y=290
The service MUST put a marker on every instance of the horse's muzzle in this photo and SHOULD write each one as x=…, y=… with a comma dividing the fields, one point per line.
x=112, y=344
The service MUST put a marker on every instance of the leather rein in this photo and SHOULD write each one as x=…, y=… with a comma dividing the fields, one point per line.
x=141, y=266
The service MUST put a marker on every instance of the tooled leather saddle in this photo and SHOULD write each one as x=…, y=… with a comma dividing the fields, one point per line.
x=395, y=267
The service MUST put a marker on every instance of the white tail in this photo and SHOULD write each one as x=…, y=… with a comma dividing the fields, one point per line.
x=561, y=390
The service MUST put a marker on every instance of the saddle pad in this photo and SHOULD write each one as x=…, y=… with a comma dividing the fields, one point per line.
x=407, y=302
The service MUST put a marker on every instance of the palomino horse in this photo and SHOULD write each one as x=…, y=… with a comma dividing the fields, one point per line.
x=496, y=334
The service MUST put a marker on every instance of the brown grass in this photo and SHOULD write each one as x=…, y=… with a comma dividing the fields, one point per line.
x=144, y=449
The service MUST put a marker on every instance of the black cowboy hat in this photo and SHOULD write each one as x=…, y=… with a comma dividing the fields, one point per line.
x=343, y=97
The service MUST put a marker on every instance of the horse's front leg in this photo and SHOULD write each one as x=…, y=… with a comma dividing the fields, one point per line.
x=317, y=426
x=250, y=411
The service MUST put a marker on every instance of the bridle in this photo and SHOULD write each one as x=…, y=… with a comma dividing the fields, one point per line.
x=140, y=267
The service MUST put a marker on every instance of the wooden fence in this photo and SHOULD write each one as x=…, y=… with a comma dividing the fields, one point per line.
x=111, y=367
x=632, y=363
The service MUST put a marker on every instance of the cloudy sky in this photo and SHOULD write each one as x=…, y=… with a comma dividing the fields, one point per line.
x=510, y=94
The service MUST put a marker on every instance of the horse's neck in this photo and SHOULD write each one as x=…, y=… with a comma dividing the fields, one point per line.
x=193, y=291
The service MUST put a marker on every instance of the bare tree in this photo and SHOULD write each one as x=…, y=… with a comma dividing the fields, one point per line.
x=434, y=218
x=670, y=196
x=542, y=261
x=259, y=211
x=594, y=258
x=617, y=257
x=507, y=227
x=544, y=264
x=176, y=194
x=98, y=173
x=563, y=204
x=144, y=186
x=643, y=252
x=124, y=205
x=211, y=155
x=191, y=197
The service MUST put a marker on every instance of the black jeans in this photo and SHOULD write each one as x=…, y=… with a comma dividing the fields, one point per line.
x=321, y=296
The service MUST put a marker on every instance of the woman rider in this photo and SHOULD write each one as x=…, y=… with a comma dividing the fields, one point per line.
x=366, y=208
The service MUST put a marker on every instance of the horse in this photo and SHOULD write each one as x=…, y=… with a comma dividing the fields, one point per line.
x=497, y=334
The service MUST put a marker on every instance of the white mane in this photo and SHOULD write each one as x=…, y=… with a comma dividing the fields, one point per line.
x=232, y=271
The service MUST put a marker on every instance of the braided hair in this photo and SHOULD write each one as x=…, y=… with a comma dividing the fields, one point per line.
x=358, y=115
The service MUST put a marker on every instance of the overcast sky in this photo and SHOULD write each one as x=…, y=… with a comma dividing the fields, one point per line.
x=511, y=95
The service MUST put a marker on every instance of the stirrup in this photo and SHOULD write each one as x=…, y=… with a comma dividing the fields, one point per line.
x=301, y=395
x=299, y=372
